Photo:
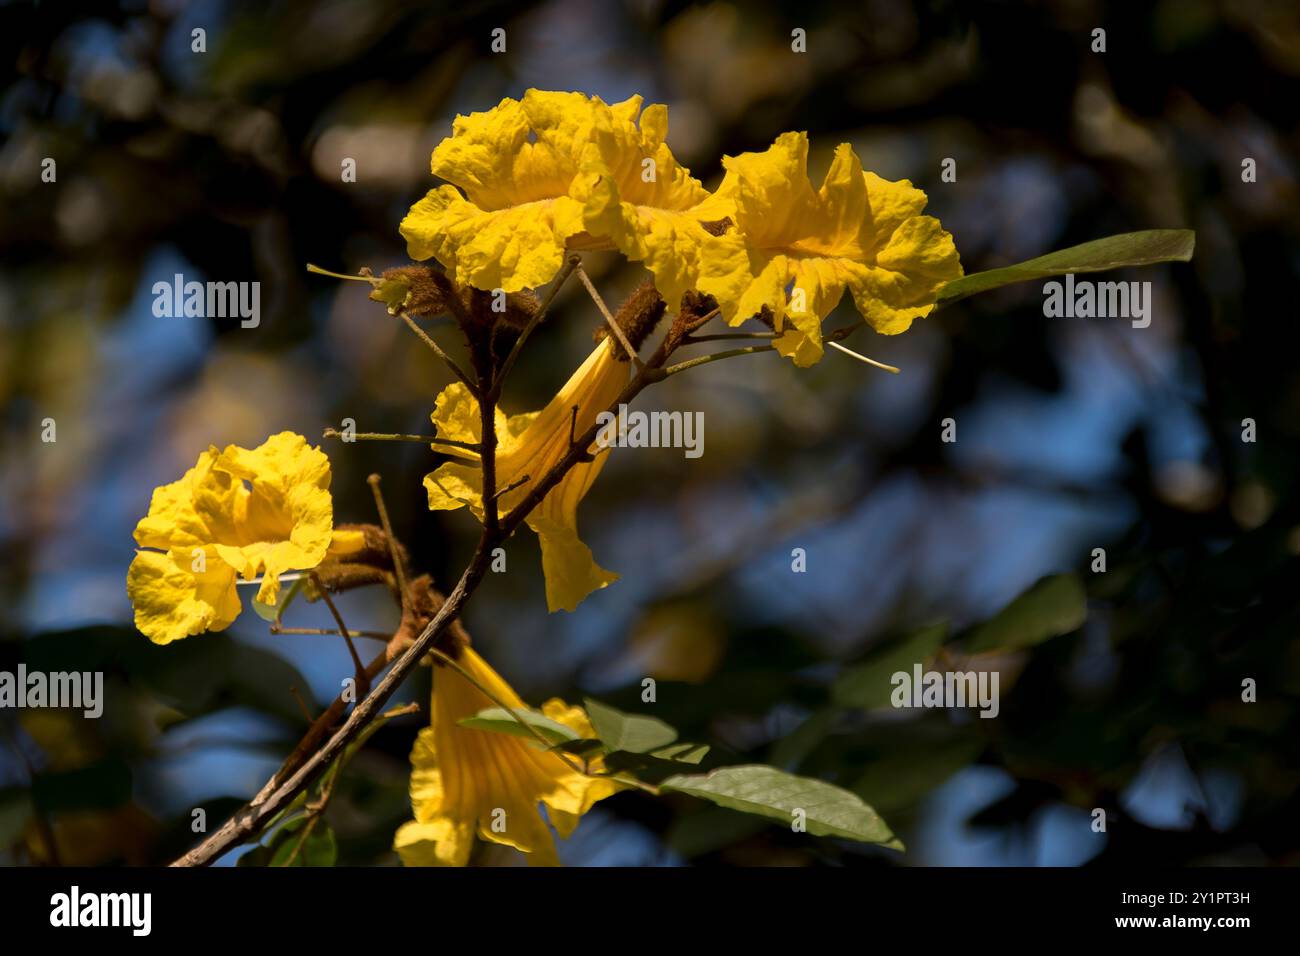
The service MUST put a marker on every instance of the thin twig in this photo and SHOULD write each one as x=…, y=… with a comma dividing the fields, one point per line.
x=437, y=350
x=723, y=336
x=381, y=436
x=399, y=566
x=702, y=320
x=322, y=631
x=716, y=356
x=362, y=680
x=302, y=704
x=570, y=264
x=518, y=482
x=609, y=318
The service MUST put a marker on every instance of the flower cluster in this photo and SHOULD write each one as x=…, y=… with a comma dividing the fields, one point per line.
x=528, y=183
x=531, y=179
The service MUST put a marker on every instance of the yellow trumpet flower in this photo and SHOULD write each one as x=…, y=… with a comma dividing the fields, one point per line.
x=204, y=530
x=528, y=445
x=466, y=781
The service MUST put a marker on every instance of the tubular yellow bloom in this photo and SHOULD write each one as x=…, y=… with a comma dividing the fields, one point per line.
x=560, y=171
x=210, y=526
x=465, y=781
x=796, y=251
x=528, y=445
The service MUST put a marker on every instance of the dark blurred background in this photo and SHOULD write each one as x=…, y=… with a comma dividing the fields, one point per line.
x=1073, y=434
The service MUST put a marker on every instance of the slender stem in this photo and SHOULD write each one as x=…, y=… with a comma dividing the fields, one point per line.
x=715, y=357
x=302, y=705
x=437, y=350
x=570, y=264
x=343, y=629
x=609, y=319
x=862, y=358
x=723, y=336
x=321, y=631
x=316, y=755
x=488, y=457
x=381, y=436
x=399, y=566
x=702, y=321
x=517, y=483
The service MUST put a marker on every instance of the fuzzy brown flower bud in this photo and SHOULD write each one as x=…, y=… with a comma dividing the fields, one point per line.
x=637, y=317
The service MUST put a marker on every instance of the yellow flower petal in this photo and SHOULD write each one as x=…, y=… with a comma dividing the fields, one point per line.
x=453, y=485
x=571, y=571
x=518, y=247
x=647, y=204
x=172, y=602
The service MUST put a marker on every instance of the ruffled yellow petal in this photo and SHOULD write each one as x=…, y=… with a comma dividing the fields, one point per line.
x=453, y=485
x=647, y=204
x=519, y=165
x=171, y=601
x=456, y=417
x=796, y=251
x=518, y=247
x=287, y=520
x=198, y=508
x=466, y=781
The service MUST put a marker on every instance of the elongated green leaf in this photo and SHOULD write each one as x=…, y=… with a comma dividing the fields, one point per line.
x=868, y=685
x=1054, y=605
x=501, y=721
x=1113, y=252
x=631, y=732
x=827, y=810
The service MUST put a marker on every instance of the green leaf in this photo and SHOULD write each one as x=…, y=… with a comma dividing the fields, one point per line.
x=768, y=792
x=658, y=763
x=273, y=612
x=1113, y=252
x=1053, y=606
x=318, y=849
x=498, y=720
x=867, y=685
x=631, y=732
x=681, y=753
